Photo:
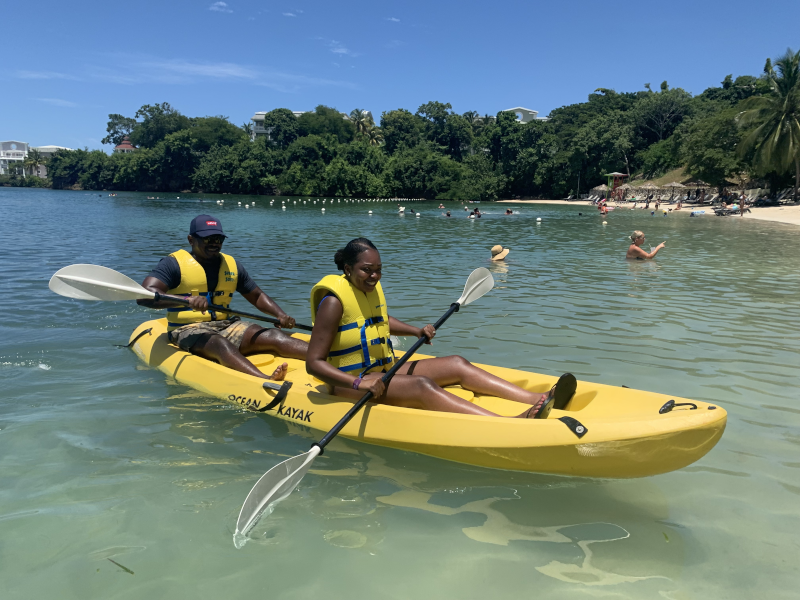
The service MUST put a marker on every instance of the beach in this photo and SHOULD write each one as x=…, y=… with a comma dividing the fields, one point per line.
x=788, y=214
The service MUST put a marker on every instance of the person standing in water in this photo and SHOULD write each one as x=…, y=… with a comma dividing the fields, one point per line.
x=634, y=250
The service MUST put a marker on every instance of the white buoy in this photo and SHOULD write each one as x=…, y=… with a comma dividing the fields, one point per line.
x=295, y=202
x=370, y=212
x=538, y=218
x=605, y=222
x=323, y=210
x=417, y=214
x=283, y=208
x=246, y=206
x=240, y=203
x=179, y=197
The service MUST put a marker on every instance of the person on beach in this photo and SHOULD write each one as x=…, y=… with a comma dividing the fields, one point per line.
x=350, y=349
x=634, y=250
x=207, y=276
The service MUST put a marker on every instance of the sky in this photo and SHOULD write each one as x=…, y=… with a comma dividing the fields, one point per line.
x=69, y=64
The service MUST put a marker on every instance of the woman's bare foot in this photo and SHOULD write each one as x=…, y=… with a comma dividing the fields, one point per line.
x=279, y=374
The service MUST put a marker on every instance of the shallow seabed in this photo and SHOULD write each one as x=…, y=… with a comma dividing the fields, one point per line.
x=102, y=458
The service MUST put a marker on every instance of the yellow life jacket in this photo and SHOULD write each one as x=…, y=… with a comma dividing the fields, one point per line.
x=362, y=339
x=193, y=283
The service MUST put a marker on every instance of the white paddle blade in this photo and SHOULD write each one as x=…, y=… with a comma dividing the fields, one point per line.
x=274, y=485
x=479, y=282
x=93, y=282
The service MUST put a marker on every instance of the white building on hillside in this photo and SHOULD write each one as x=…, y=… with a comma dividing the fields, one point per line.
x=46, y=152
x=18, y=151
x=11, y=152
x=525, y=115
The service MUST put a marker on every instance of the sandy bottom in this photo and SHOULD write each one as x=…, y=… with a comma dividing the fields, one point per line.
x=789, y=214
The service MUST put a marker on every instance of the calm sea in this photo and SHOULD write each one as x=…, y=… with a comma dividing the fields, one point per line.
x=102, y=458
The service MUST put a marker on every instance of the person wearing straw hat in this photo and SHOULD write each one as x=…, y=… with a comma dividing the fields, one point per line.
x=499, y=253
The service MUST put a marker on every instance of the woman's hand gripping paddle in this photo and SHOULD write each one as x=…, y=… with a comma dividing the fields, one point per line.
x=277, y=483
x=93, y=282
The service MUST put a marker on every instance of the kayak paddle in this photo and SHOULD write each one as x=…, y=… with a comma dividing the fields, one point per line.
x=93, y=282
x=277, y=483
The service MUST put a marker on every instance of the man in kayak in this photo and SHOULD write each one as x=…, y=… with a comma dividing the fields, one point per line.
x=350, y=349
x=207, y=276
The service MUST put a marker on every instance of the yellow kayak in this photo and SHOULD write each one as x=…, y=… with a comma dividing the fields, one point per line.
x=605, y=431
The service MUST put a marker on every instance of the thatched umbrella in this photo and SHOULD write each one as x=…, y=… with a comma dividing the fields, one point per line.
x=600, y=188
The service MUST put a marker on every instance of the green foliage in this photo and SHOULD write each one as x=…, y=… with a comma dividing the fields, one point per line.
x=282, y=126
x=710, y=149
x=437, y=153
x=158, y=121
x=401, y=129
x=774, y=120
x=326, y=121
x=118, y=127
x=214, y=131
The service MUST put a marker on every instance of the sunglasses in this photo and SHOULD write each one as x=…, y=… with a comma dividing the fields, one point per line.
x=213, y=239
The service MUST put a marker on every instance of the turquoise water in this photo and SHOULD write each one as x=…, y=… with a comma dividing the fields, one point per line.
x=102, y=458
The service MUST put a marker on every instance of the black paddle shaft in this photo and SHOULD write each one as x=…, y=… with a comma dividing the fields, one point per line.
x=386, y=378
x=230, y=311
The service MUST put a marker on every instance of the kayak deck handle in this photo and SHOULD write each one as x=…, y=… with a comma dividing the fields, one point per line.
x=669, y=405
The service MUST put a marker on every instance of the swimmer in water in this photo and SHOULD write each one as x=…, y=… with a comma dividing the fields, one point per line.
x=448, y=214
x=509, y=211
x=635, y=252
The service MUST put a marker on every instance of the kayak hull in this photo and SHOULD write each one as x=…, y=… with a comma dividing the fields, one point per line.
x=622, y=433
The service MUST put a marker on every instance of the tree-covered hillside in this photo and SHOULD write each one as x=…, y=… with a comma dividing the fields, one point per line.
x=747, y=127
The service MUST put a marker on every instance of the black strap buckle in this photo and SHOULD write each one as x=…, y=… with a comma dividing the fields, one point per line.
x=574, y=425
x=282, y=389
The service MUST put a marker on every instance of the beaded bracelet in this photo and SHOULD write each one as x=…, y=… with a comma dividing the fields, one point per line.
x=356, y=383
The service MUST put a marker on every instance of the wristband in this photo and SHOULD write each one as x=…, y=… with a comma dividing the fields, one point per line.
x=356, y=383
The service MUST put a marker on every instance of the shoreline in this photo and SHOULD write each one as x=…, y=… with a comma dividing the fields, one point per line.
x=788, y=214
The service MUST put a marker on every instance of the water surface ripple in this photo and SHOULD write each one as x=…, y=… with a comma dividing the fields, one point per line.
x=102, y=458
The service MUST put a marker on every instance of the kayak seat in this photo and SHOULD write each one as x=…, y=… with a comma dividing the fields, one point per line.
x=457, y=390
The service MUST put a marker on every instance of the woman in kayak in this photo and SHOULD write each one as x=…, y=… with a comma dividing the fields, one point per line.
x=634, y=251
x=350, y=349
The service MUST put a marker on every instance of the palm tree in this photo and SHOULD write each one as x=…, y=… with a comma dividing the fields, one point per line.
x=362, y=120
x=776, y=120
x=375, y=136
x=471, y=116
x=32, y=161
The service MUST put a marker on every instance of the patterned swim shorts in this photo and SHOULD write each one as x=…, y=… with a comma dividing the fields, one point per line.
x=231, y=329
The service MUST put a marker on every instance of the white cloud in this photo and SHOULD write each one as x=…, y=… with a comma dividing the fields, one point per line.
x=58, y=102
x=45, y=75
x=393, y=19
x=339, y=48
x=185, y=69
x=289, y=14
x=137, y=69
x=220, y=7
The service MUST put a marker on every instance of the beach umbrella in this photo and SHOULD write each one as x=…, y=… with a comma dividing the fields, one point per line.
x=601, y=188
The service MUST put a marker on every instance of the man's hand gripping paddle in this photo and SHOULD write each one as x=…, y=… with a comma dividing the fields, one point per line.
x=277, y=483
x=93, y=282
